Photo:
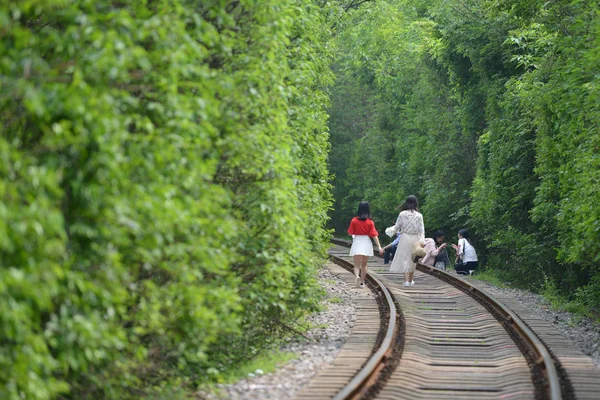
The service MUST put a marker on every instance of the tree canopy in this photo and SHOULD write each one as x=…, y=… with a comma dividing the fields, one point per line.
x=164, y=189
x=489, y=112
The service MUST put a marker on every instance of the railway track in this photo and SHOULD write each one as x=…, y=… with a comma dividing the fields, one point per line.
x=452, y=341
x=370, y=352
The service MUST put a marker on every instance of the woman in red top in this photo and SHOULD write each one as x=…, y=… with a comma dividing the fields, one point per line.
x=362, y=230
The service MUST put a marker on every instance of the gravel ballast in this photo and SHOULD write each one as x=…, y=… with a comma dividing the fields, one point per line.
x=582, y=331
x=334, y=323
x=332, y=327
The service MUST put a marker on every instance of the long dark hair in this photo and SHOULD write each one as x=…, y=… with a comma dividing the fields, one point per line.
x=465, y=234
x=410, y=203
x=438, y=234
x=364, y=211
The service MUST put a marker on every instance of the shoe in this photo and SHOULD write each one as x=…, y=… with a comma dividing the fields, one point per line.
x=412, y=283
x=357, y=281
x=406, y=284
x=362, y=285
x=471, y=272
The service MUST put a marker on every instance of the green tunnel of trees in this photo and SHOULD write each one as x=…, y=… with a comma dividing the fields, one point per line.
x=487, y=111
x=169, y=167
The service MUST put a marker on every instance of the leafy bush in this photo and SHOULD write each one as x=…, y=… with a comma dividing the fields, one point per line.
x=164, y=188
x=589, y=296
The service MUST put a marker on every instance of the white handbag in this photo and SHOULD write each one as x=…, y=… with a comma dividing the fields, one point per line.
x=391, y=231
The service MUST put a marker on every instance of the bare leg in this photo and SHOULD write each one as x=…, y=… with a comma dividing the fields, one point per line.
x=410, y=276
x=363, y=270
x=357, y=261
x=406, y=277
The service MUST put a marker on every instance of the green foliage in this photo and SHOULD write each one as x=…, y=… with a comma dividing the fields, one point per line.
x=488, y=112
x=267, y=363
x=414, y=142
x=164, y=189
x=550, y=292
x=491, y=276
x=588, y=297
x=582, y=304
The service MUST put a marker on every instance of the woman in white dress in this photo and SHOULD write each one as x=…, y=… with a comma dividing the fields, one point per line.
x=410, y=225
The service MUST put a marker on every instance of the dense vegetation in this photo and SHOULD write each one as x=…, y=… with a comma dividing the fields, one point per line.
x=163, y=189
x=489, y=112
x=164, y=186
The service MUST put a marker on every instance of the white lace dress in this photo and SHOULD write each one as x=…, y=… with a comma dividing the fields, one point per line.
x=410, y=225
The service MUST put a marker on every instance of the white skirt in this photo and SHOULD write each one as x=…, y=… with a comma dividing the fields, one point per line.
x=361, y=244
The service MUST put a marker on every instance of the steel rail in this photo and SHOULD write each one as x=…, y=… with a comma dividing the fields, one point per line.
x=541, y=358
x=360, y=382
x=536, y=352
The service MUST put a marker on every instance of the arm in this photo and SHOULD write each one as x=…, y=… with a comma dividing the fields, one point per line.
x=351, y=227
x=429, y=248
x=398, y=226
x=377, y=243
x=461, y=247
x=455, y=247
x=435, y=252
x=394, y=243
x=375, y=235
x=421, y=229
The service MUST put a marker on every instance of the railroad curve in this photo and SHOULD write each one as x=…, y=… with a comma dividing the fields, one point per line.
x=455, y=341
